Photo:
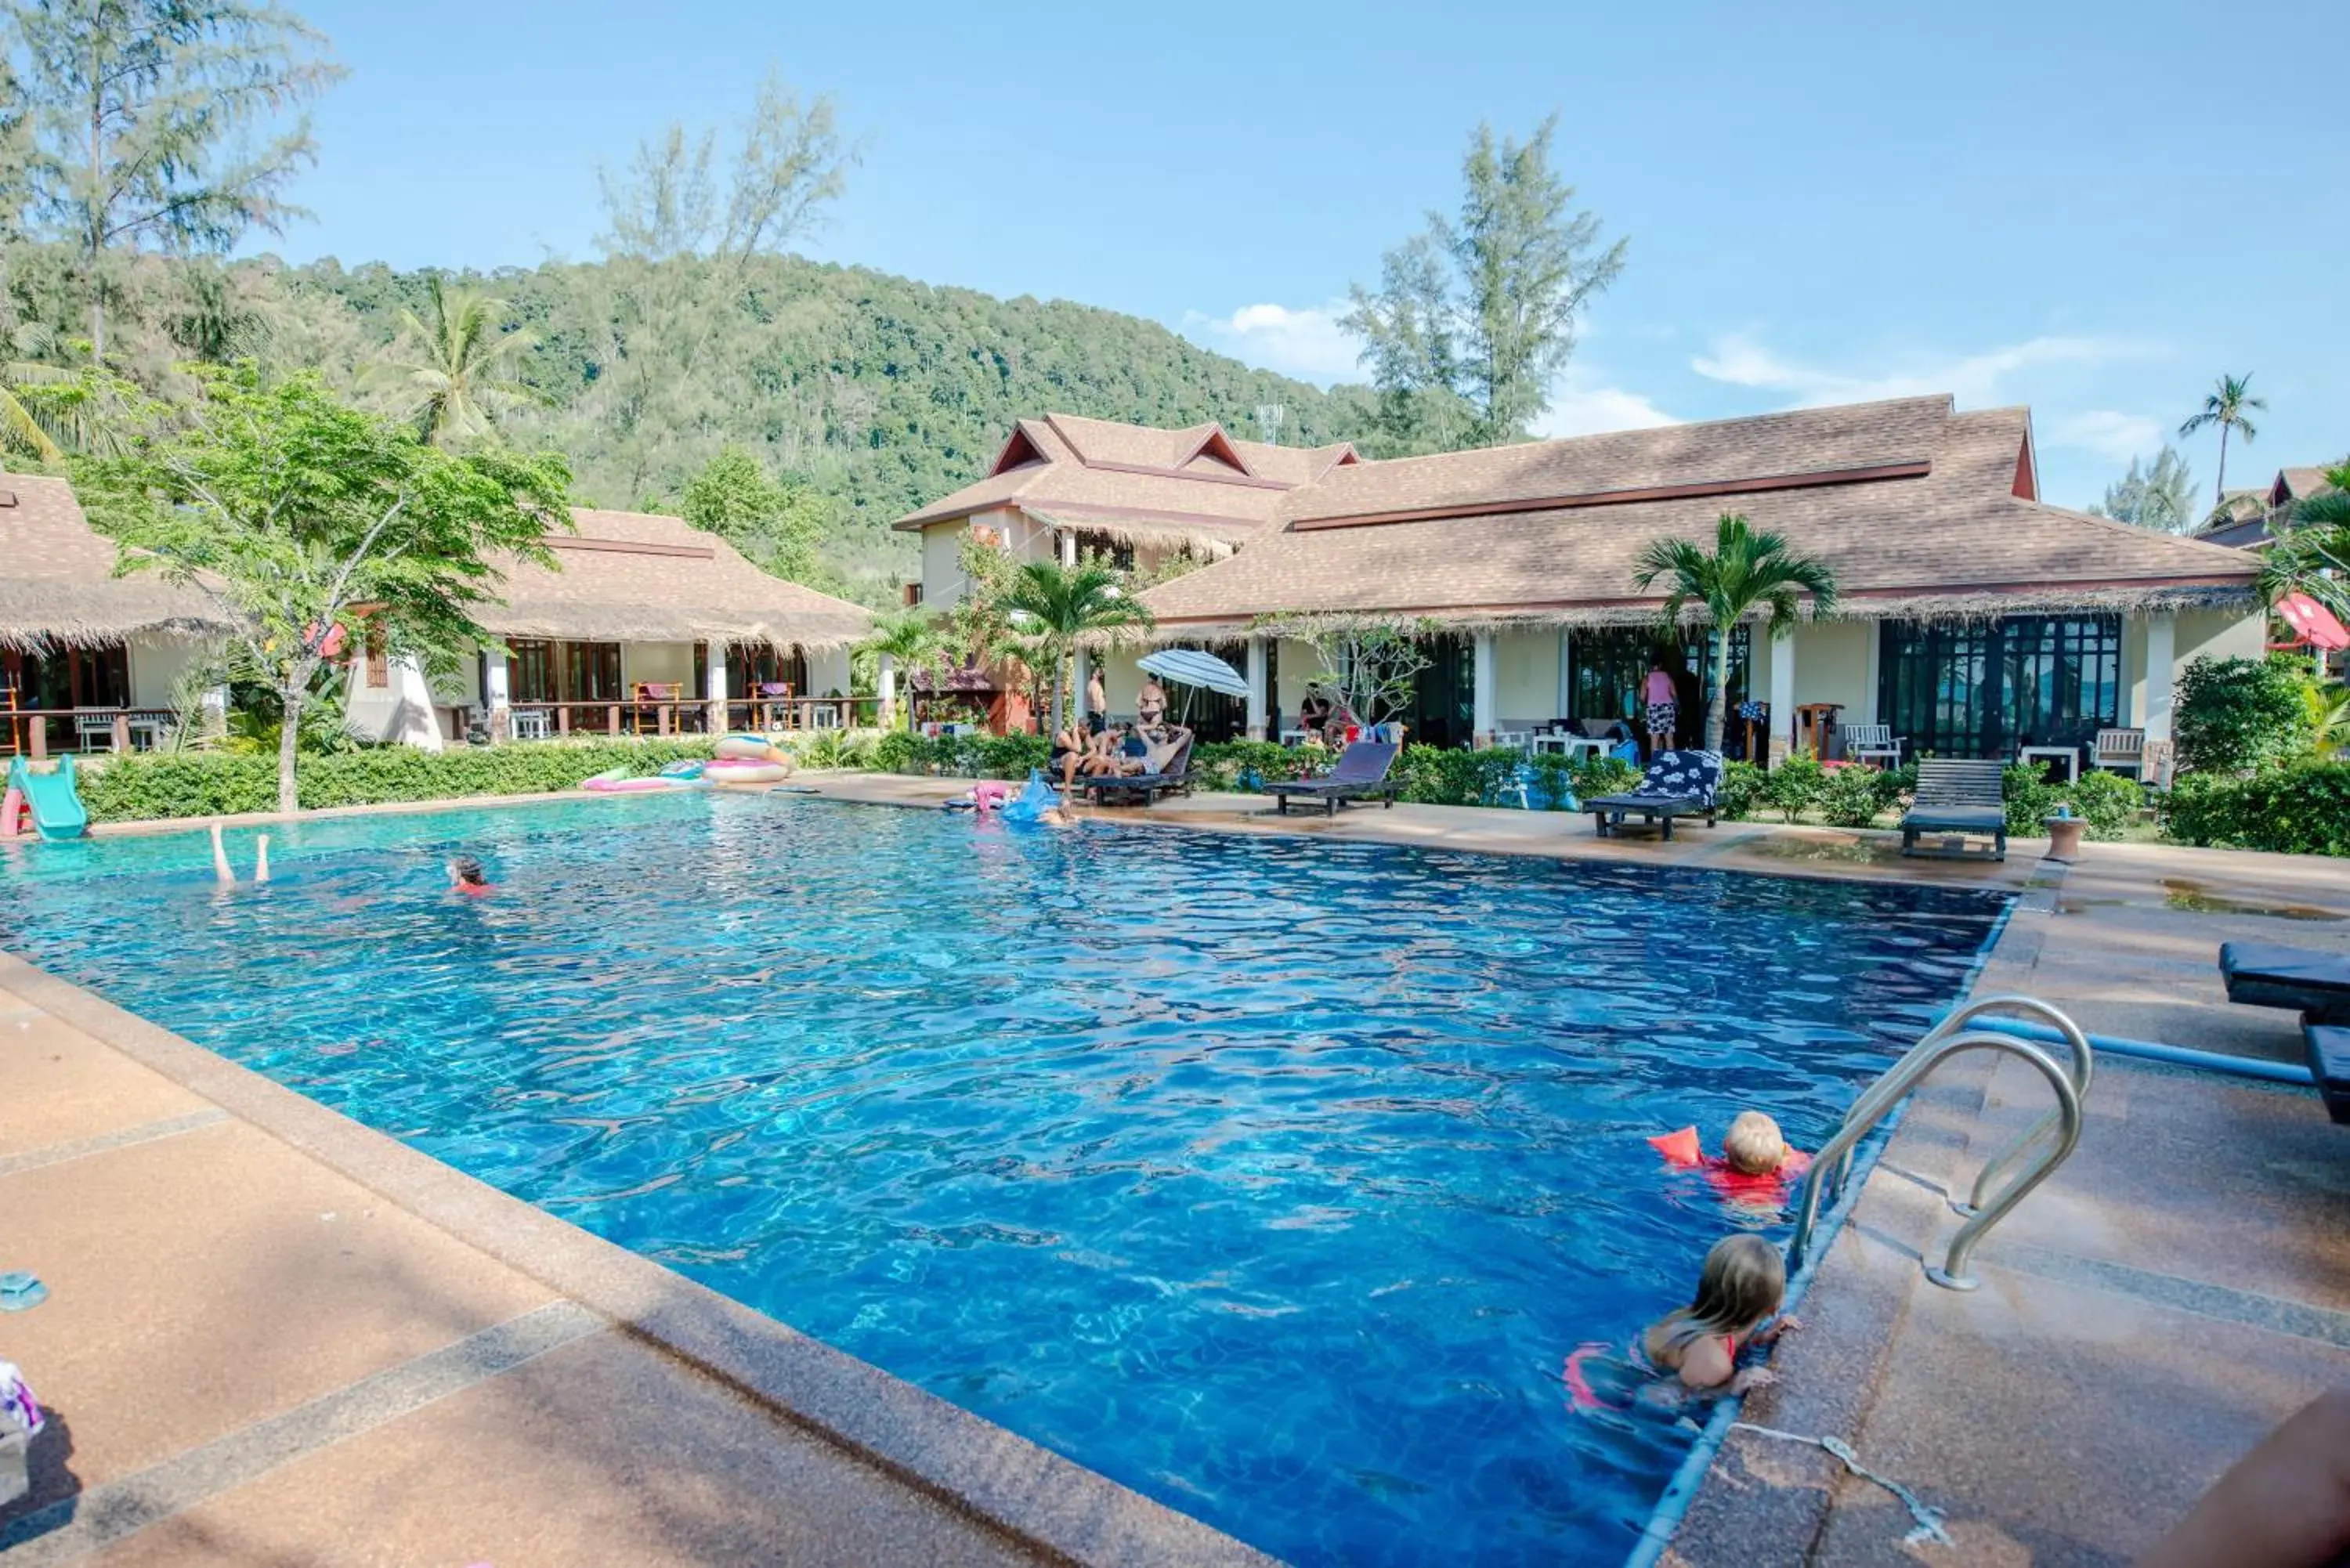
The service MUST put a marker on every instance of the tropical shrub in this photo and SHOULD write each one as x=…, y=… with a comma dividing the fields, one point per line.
x=1603, y=775
x=1445, y=775
x=1849, y=796
x=2028, y=797
x=1245, y=766
x=1793, y=786
x=1743, y=788
x=2238, y=715
x=2299, y=810
x=2109, y=801
x=142, y=786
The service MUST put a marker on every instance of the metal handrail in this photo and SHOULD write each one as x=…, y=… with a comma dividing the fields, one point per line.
x=2083, y=1065
x=1915, y=1066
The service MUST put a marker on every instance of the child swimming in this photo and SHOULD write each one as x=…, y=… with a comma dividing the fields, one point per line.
x=466, y=876
x=1739, y=1289
x=1755, y=1165
x=226, y=877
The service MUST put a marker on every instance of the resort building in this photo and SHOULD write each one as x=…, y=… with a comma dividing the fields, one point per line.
x=89, y=661
x=1976, y=618
x=645, y=625
x=2251, y=518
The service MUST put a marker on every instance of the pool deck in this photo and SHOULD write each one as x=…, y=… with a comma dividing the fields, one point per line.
x=277, y=1337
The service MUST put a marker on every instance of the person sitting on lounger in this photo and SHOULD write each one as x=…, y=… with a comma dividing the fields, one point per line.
x=1162, y=746
x=1314, y=712
x=1150, y=704
x=1069, y=753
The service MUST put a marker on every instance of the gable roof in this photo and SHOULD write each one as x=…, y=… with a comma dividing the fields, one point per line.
x=1915, y=506
x=639, y=577
x=58, y=587
x=1197, y=485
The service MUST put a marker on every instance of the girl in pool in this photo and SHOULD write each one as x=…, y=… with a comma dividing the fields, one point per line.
x=1739, y=1289
x=1741, y=1286
x=226, y=877
x=466, y=876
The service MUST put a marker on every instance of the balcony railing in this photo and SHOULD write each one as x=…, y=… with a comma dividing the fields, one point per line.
x=35, y=732
x=689, y=716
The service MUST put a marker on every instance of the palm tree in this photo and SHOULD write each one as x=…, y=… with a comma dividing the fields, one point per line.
x=1743, y=572
x=2225, y=407
x=1055, y=605
x=905, y=638
x=445, y=370
x=2310, y=554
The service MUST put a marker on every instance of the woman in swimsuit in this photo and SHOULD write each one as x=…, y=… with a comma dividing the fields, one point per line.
x=1741, y=1286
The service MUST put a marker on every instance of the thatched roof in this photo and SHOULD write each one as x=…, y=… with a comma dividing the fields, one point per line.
x=1197, y=488
x=636, y=576
x=1921, y=512
x=58, y=587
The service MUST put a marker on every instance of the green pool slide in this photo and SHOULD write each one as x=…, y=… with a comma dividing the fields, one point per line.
x=49, y=790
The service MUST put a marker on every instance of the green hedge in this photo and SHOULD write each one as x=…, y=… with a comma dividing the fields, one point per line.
x=204, y=784
x=2303, y=810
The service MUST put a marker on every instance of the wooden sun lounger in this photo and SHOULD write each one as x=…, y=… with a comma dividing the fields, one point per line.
x=1174, y=778
x=1609, y=811
x=1956, y=800
x=2315, y=984
x=1361, y=773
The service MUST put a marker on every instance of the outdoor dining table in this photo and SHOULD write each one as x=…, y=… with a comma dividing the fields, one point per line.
x=1574, y=746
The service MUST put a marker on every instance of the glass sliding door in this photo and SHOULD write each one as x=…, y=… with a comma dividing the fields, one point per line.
x=1609, y=664
x=1984, y=691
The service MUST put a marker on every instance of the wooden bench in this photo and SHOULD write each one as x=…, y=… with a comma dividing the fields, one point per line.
x=1956, y=800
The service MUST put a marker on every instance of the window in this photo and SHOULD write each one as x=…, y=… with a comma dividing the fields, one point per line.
x=378, y=667
x=530, y=675
x=1212, y=715
x=1119, y=552
x=1608, y=664
x=913, y=595
x=750, y=665
x=1444, y=694
x=591, y=672
x=1984, y=691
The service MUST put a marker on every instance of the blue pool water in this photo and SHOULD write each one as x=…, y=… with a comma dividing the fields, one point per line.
x=1273, y=1177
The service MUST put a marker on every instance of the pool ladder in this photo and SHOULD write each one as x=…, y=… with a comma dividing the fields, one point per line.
x=2023, y=1165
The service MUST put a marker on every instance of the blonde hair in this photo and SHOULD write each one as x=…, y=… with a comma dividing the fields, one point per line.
x=1742, y=1282
x=1754, y=1146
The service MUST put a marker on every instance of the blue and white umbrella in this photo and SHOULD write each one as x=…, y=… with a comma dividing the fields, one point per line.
x=1190, y=666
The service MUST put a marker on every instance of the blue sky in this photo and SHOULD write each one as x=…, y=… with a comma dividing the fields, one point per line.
x=2094, y=209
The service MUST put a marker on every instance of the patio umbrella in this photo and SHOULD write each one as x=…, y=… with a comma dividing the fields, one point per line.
x=1190, y=666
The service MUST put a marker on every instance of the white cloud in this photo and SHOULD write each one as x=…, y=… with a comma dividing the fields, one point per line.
x=1973, y=379
x=1579, y=408
x=2116, y=437
x=1306, y=343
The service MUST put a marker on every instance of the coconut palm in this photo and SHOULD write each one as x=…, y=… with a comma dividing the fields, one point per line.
x=1744, y=571
x=448, y=369
x=50, y=407
x=2226, y=407
x=903, y=640
x=1055, y=605
x=2310, y=551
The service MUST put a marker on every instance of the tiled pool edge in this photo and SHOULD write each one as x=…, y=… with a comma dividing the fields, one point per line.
x=1029, y=1493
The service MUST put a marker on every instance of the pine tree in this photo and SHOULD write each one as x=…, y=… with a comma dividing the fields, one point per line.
x=136, y=115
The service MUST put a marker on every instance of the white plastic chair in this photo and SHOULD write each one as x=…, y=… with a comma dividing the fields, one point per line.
x=527, y=723
x=94, y=727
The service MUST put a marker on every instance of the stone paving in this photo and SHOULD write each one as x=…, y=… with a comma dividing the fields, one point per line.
x=276, y=1337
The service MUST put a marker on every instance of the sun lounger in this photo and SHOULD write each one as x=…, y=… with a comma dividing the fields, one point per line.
x=1360, y=773
x=1956, y=800
x=1678, y=783
x=1175, y=778
x=2315, y=984
x=2299, y=980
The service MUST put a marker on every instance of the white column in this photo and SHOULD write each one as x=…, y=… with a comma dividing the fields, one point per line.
x=1260, y=703
x=1565, y=672
x=713, y=673
x=493, y=693
x=2161, y=644
x=889, y=690
x=1782, y=696
x=1081, y=702
x=215, y=710
x=1068, y=548
x=1482, y=681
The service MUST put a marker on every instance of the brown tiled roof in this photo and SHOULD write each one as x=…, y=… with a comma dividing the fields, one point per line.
x=1913, y=505
x=1139, y=481
x=2300, y=483
x=635, y=576
x=58, y=587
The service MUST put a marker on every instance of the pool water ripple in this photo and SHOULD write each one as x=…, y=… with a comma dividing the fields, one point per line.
x=1272, y=1178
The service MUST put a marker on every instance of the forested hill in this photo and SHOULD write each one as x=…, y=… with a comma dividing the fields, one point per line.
x=878, y=391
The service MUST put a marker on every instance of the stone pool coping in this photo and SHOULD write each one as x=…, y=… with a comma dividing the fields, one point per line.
x=1038, y=1498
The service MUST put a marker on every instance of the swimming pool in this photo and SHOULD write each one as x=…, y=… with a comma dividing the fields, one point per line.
x=1271, y=1177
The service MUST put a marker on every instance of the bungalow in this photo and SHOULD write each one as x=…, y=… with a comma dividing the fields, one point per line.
x=2251, y=518
x=98, y=658
x=641, y=625
x=1976, y=618
x=644, y=623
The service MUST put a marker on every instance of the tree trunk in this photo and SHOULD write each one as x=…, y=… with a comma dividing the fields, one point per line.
x=2219, y=486
x=289, y=738
x=1717, y=705
x=1055, y=715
